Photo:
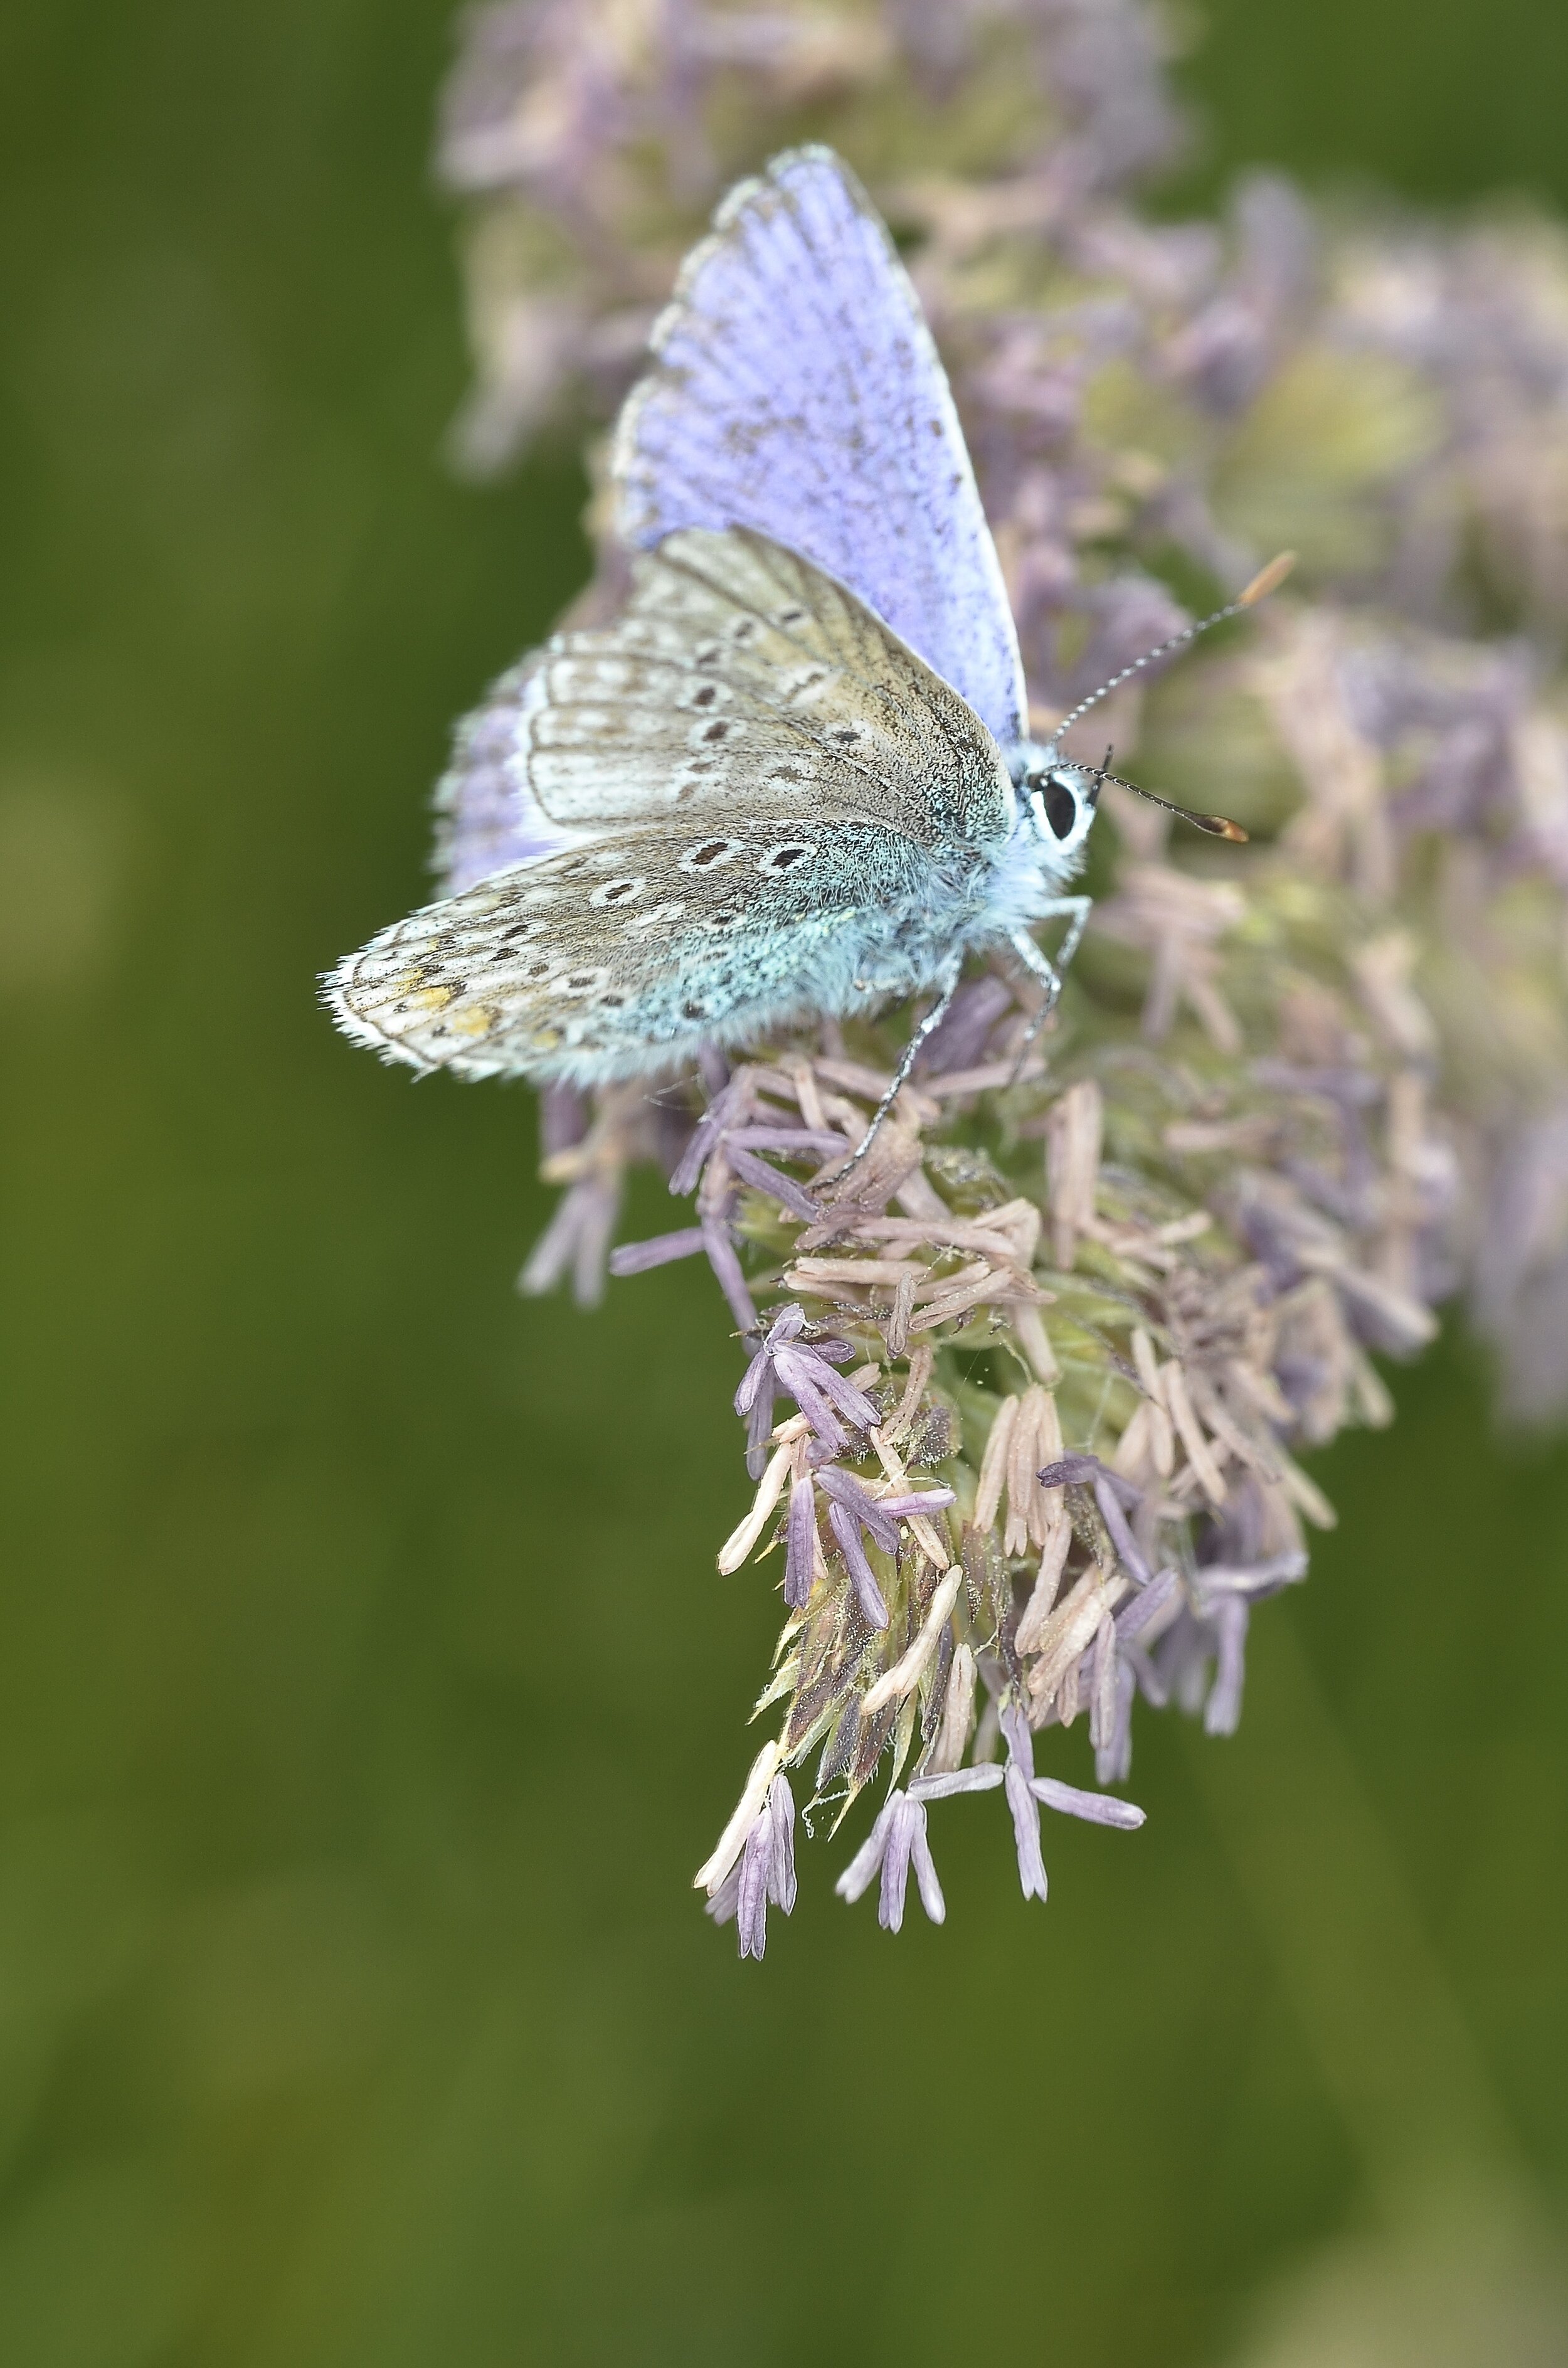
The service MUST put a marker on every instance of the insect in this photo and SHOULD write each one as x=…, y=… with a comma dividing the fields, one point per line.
x=794, y=776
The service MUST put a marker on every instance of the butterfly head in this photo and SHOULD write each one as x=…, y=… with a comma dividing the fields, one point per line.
x=1056, y=799
x=1059, y=799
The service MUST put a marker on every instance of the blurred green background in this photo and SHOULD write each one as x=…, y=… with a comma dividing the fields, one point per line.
x=367, y=1693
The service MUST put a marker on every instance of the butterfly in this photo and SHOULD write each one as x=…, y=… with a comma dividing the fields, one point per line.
x=794, y=776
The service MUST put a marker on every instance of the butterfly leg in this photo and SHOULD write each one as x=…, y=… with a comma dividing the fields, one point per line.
x=1077, y=910
x=1049, y=973
x=947, y=987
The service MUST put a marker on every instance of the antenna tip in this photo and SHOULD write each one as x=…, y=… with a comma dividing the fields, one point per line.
x=1217, y=827
x=1267, y=579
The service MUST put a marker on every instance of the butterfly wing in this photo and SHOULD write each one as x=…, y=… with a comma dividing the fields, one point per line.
x=741, y=677
x=768, y=796
x=487, y=819
x=619, y=960
x=738, y=674
x=794, y=387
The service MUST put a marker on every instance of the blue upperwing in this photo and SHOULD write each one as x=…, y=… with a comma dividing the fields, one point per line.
x=795, y=388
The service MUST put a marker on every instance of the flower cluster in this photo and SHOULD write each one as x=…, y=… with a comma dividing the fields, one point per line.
x=1050, y=1356
x=593, y=137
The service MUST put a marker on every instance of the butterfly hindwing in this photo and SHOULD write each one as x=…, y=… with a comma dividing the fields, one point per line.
x=487, y=819
x=621, y=958
x=794, y=387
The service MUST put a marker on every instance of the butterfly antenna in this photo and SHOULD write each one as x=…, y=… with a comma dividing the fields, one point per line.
x=1216, y=825
x=1267, y=580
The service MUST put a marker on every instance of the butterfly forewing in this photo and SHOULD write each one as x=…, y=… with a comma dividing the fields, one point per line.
x=795, y=388
x=742, y=676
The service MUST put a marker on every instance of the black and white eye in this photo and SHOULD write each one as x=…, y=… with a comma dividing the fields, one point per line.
x=1059, y=805
x=618, y=892
x=785, y=857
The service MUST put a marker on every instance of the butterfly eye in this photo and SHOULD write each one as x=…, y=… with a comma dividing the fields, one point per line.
x=1059, y=805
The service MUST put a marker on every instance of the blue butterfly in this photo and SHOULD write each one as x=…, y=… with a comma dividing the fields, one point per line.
x=794, y=776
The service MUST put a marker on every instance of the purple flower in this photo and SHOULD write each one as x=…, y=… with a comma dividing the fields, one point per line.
x=576, y=1239
x=984, y=1777
x=1025, y=1827
x=1350, y=1139
x=1095, y=1808
x=895, y=1843
x=800, y=1542
x=1111, y=1494
x=765, y=1870
x=1027, y=1793
x=764, y=1178
x=726, y=1266
x=733, y=1121
x=1085, y=1472
x=1226, y=1595
x=729, y=1106
x=1112, y=1685
x=1152, y=1606
x=729, y=1131
x=1213, y=1632
x=660, y=1249
x=804, y=1369
x=1128, y=1551
x=851, y=1508
x=1222, y=1711
x=962, y=1040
